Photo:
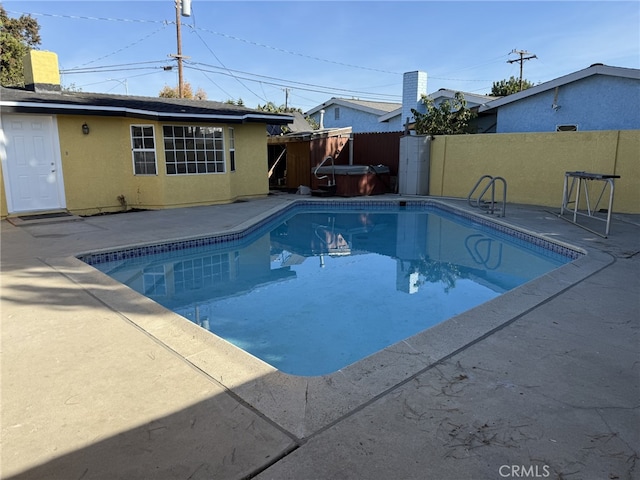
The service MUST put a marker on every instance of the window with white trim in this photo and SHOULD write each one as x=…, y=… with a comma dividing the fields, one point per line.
x=143, y=150
x=232, y=150
x=193, y=150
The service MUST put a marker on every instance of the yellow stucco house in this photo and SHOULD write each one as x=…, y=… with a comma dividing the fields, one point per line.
x=89, y=153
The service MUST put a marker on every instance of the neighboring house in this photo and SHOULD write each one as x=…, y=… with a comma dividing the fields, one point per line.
x=360, y=115
x=367, y=116
x=299, y=124
x=90, y=153
x=597, y=98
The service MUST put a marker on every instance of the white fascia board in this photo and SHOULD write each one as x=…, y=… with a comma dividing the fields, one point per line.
x=388, y=116
x=132, y=111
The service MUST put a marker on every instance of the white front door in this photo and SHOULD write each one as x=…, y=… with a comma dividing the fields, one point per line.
x=31, y=163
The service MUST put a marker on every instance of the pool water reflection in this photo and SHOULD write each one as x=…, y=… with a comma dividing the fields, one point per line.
x=323, y=289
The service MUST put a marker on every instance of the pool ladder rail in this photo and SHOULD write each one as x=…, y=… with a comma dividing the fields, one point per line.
x=330, y=188
x=489, y=205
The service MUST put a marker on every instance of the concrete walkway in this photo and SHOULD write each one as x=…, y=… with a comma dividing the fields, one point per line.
x=99, y=383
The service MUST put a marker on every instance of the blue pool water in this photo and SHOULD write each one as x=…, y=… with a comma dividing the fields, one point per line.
x=319, y=289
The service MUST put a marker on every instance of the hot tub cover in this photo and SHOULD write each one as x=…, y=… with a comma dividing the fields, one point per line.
x=351, y=169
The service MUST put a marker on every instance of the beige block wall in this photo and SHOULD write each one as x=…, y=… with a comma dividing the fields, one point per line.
x=534, y=164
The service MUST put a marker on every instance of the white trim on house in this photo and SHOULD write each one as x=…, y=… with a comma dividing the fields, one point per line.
x=124, y=110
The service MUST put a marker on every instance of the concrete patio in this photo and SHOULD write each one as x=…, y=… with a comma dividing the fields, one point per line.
x=101, y=383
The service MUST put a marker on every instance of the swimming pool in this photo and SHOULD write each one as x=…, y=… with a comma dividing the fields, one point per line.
x=317, y=288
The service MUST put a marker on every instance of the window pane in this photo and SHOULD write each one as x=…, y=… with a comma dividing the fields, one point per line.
x=191, y=149
x=143, y=150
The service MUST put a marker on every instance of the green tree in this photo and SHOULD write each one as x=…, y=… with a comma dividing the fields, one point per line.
x=272, y=108
x=507, y=87
x=17, y=37
x=451, y=117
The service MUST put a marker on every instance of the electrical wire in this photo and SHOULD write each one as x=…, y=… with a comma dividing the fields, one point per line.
x=224, y=66
x=126, y=47
x=281, y=82
x=305, y=87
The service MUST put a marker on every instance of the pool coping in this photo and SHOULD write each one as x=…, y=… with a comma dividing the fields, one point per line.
x=305, y=406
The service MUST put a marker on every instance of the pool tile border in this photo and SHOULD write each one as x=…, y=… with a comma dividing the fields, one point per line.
x=237, y=237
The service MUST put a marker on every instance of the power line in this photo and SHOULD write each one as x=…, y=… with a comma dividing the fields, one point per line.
x=289, y=52
x=297, y=85
x=124, y=48
x=100, y=67
x=224, y=66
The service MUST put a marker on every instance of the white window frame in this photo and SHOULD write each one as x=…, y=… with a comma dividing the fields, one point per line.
x=194, y=149
x=232, y=150
x=144, y=149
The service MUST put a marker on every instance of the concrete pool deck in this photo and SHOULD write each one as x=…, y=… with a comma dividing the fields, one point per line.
x=98, y=382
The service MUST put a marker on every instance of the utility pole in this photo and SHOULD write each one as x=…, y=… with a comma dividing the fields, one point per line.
x=185, y=7
x=521, y=60
x=286, y=98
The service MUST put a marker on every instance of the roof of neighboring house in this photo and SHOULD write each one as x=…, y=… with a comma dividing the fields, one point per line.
x=596, y=69
x=377, y=108
x=469, y=97
x=13, y=100
x=444, y=93
x=299, y=124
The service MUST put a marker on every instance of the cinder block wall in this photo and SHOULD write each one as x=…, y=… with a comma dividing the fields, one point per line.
x=534, y=164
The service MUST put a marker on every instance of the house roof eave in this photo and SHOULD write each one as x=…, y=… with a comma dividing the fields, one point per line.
x=21, y=101
x=48, y=108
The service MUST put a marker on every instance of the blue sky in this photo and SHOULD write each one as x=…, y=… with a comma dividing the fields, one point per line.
x=254, y=50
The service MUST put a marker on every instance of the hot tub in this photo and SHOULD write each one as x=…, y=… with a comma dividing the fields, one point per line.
x=354, y=180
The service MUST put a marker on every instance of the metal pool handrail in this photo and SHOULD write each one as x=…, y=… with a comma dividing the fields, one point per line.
x=492, y=184
x=331, y=182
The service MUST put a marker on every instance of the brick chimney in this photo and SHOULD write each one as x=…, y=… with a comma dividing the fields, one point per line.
x=414, y=85
x=41, y=73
